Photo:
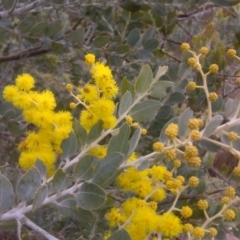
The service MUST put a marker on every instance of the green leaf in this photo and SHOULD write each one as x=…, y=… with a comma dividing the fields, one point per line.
x=175, y=98
x=80, y=133
x=39, y=29
x=209, y=146
x=106, y=168
x=182, y=123
x=164, y=112
x=120, y=143
x=133, y=37
x=127, y=86
x=144, y=80
x=15, y=128
x=27, y=24
x=41, y=168
x=68, y=208
x=53, y=28
x=163, y=137
x=160, y=72
x=39, y=197
x=95, y=132
x=133, y=142
x=84, y=168
x=121, y=234
x=28, y=184
x=149, y=34
x=77, y=36
x=8, y=115
x=7, y=4
x=143, y=55
x=125, y=103
x=101, y=41
x=217, y=105
x=6, y=194
x=90, y=196
x=158, y=90
x=122, y=49
x=151, y=45
x=60, y=180
x=69, y=146
x=145, y=111
x=212, y=125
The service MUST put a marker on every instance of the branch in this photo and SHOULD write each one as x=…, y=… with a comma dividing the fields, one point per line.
x=31, y=52
x=35, y=227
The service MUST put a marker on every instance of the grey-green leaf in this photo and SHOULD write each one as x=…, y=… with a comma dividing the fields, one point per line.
x=133, y=142
x=101, y=41
x=6, y=194
x=95, y=132
x=80, y=133
x=158, y=90
x=107, y=167
x=160, y=72
x=40, y=196
x=212, y=125
x=41, y=168
x=145, y=111
x=144, y=80
x=68, y=208
x=69, y=145
x=77, y=36
x=120, y=143
x=60, y=180
x=121, y=234
x=28, y=184
x=175, y=98
x=133, y=37
x=90, y=196
x=125, y=103
x=183, y=121
x=127, y=86
x=84, y=168
x=163, y=137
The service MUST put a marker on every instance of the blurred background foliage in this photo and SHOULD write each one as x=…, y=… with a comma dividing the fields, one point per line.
x=49, y=39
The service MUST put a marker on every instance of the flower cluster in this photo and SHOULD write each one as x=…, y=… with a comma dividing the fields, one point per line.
x=142, y=219
x=51, y=127
x=97, y=96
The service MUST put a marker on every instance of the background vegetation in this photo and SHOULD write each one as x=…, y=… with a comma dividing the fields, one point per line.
x=49, y=39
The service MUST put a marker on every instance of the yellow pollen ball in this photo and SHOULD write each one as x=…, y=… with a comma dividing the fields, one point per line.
x=185, y=46
x=203, y=50
x=171, y=131
x=191, y=86
x=232, y=136
x=158, y=147
x=213, y=68
x=213, y=97
x=231, y=52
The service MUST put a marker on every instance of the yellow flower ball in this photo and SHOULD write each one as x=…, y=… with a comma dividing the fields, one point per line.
x=198, y=232
x=213, y=68
x=25, y=82
x=171, y=131
x=229, y=192
x=213, y=97
x=213, y=232
x=170, y=154
x=229, y=215
x=236, y=171
x=231, y=52
x=202, y=204
x=90, y=58
x=193, y=181
x=185, y=46
x=204, y=50
x=232, y=136
x=186, y=212
x=195, y=135
x=158, y=147
x=191, y=86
